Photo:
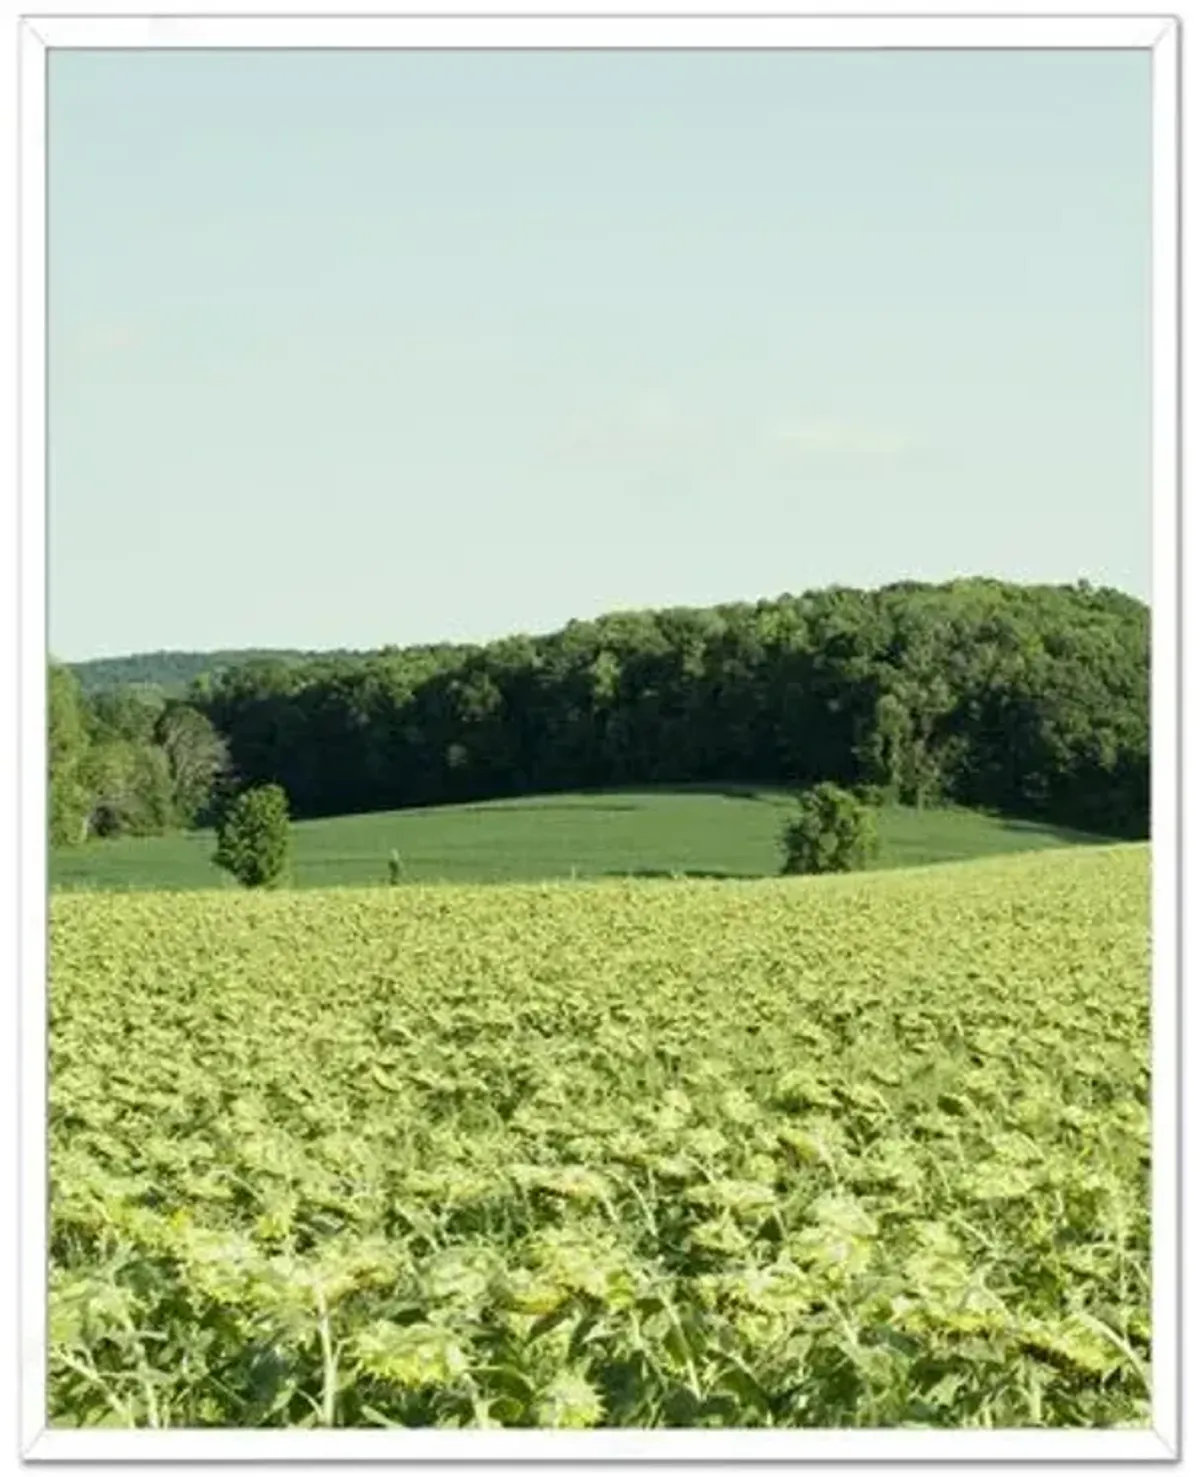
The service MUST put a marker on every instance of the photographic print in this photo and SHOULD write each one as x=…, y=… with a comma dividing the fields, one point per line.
x=598, y=702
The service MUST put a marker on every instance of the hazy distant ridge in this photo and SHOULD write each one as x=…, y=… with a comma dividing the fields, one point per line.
x=172, y=670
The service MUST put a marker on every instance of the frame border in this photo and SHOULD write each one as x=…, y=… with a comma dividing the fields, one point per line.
x=1160, y=34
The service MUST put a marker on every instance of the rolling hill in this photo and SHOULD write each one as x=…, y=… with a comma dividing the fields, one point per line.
x=733, y=832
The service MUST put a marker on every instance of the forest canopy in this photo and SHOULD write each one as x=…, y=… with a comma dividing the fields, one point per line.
x=1030, y=700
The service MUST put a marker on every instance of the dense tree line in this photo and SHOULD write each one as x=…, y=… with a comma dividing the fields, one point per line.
x=128, y=761
x=1033, y=700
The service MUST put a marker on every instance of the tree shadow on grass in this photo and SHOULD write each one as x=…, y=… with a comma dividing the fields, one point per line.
x=611, y=797
x=683, y=874
x=717, y=789
x=1060, y=833
x=497, y=807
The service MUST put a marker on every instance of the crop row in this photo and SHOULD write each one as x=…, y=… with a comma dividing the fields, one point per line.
x=834, y=1151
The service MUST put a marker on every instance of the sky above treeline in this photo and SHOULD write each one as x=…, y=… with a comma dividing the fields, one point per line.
x=355, y=348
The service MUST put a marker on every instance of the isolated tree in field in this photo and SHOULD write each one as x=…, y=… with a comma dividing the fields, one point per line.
x=832, y=831
x=252, y=838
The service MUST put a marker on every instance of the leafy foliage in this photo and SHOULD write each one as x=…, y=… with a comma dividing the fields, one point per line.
x=865, y=1150
x=1028, y=700
x=127, y=761
x=68, y=801
x=198, y=759
x=832, y=831
x=252, y=837
x=129, y=788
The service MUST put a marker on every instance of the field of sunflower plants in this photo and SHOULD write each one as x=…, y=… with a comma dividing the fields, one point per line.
x=847, y=1151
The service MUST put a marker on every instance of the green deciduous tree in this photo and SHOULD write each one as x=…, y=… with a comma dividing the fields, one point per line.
x=833, y=830
x=1026, y=699
x=253, y=836
x=197, y=757
x=129, y=788
x=129, y=713
x=68, y=800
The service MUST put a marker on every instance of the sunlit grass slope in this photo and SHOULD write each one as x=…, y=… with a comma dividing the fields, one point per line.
x=730, y=833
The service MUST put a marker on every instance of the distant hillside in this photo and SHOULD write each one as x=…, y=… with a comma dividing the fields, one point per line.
x=170, y=670
x=1028, y=700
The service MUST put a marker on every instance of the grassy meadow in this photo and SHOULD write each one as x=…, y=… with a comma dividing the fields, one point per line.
x=731, y=833
x=863, y=1150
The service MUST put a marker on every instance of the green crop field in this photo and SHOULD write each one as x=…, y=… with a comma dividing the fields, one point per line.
x=697, y=832
x=865, y=1150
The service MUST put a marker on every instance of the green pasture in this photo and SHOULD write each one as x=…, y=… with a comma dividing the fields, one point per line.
x=731, y=833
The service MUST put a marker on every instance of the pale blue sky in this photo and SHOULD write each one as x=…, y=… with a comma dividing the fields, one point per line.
x=380, y=347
